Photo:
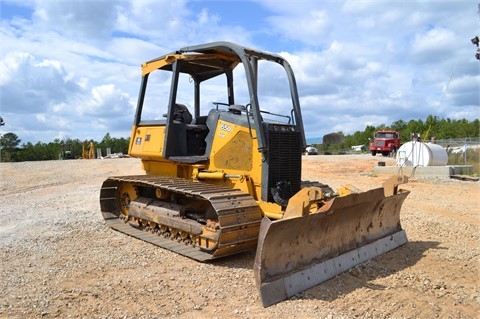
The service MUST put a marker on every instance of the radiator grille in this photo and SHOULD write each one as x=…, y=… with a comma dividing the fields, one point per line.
x=284, y=161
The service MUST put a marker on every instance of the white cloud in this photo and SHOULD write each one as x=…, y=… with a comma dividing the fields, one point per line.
x=464, y=93
x=86, y=19
x=29, y=85
x=105, y=100
x=433, y=45
x=40, y=97
x=309, y=28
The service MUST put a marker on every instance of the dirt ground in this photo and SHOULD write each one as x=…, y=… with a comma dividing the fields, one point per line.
x=59, y=260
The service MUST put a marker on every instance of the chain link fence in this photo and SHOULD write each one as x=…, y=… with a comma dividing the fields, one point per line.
x=459, y=144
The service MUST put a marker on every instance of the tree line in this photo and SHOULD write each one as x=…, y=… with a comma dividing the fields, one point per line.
x=13, y=151
x=433, y=126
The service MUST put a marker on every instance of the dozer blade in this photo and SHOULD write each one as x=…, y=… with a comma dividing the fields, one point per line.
x=298, y=253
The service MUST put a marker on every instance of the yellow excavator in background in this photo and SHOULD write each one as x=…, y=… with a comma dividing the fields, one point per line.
x=223, y=175
x=88, y=151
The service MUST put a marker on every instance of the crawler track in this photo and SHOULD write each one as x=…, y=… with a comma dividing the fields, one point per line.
x=234, y=228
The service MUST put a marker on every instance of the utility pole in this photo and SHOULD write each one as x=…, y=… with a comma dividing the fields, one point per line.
x=475, y=42
x=2, y=123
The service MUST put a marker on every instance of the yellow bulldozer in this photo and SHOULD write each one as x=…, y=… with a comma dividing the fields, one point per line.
x=223, y=175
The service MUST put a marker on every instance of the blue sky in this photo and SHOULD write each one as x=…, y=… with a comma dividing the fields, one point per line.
x=71, y=69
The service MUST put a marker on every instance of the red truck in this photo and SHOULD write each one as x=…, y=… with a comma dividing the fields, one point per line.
x=385, y=142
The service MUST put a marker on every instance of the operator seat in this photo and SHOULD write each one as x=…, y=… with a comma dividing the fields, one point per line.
x=182, y=114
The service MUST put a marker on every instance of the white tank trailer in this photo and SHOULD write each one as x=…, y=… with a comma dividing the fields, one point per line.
x=417, y=153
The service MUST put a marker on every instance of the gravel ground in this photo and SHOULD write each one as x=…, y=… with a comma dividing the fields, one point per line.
x=59, y=260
